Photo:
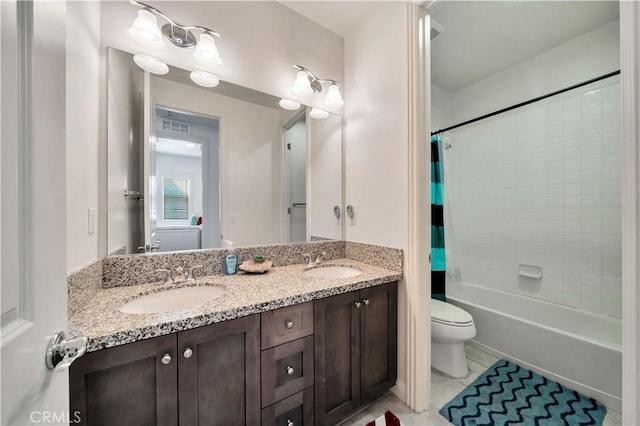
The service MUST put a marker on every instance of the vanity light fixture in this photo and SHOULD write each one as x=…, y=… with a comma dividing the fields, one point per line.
x=204, y=79
x=306, y=83
x=318, y=114
x=290, y=105
x=146, y=34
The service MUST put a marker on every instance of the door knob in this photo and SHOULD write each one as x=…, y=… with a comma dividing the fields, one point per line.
x=289, y=324
x=290, y=423
x=166, y=359
x=290, y=370
x=366, y=302
x=61, y=352
x=187, y=353
x=357, y=304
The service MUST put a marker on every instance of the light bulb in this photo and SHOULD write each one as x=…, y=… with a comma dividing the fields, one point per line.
x=318, y=114
x=333, y=98
x=302, y=85
x=144, y=31
x=206, y=53
x=150, y=64
x=204, y=79
x=288, y=104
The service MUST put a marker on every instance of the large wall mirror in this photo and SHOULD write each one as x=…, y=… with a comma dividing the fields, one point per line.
x=190, y=167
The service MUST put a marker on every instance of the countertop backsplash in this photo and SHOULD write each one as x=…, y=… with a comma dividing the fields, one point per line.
x=117, y=271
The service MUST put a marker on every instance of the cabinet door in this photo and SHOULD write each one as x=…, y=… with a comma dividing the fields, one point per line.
x=378, y=340
x=219, y=367
x=127, y=385
x=337, y=357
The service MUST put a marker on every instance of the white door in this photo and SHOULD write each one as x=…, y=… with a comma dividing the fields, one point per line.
x=149, y=161
x=296, y=160
x=33, y=210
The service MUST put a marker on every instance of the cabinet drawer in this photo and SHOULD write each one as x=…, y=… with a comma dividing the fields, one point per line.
x=286, y=324
x=297, y=410
x=286, y=369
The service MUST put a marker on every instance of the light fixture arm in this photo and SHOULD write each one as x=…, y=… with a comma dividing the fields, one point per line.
x=186, y=28
x=315, y=81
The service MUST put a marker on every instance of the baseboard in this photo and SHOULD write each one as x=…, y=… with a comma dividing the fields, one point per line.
x=610, y=401
x=400, y=390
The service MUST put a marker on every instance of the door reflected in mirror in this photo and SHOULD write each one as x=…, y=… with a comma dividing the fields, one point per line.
x=214, y=164
x=187, y=174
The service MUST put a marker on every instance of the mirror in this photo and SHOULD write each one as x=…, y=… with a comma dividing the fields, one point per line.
x=190, y=167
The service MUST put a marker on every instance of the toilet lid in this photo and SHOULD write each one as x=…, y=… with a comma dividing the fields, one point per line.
x=450, y=314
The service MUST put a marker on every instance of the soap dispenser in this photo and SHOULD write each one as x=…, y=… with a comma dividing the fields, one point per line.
x=230, y=264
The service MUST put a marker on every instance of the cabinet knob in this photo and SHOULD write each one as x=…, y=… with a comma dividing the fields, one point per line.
x=187, y=353
x=289, y=324
x=166, y=359
x=366, y=302
x=357, y=304
x=290, y=370
x=290, y=423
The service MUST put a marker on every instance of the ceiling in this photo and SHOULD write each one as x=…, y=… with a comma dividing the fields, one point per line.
x=178, y=147
x=481, y=38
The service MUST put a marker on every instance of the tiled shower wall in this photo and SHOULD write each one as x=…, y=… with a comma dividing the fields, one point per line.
x=541, y=185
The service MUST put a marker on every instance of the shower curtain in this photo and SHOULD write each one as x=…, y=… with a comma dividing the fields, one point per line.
x=438, y=254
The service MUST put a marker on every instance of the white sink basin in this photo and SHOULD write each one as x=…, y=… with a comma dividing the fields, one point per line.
x=172, y=300
x=332, y=272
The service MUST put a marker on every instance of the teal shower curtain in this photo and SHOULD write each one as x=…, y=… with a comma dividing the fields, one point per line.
x=438, y=256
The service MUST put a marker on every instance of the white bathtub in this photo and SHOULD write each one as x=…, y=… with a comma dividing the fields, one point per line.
x=580, y=350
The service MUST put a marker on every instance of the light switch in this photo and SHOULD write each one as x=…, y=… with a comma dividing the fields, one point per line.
x=91, y=229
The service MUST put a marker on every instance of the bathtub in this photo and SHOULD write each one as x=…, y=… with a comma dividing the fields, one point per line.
x=580, y=350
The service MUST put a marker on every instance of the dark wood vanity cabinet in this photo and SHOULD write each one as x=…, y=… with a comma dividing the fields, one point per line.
x=201, y=376
x=133, y=384
x=305, y=364
x=355, y=350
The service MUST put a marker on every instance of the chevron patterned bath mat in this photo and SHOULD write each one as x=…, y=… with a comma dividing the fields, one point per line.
x=506, y=394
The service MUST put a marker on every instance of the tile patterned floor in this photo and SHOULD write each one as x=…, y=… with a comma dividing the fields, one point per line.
x=443, y=389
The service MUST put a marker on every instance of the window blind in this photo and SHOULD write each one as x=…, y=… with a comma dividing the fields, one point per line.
x=176, y=198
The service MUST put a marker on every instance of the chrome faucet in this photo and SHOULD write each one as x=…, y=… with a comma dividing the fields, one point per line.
x=181, y=274
x=168, y=277
x=191, y=276
x=319, y=260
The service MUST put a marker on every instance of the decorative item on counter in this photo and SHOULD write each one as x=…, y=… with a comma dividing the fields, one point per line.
x=230, y=265
x=194, y=220
x=258, y=265
x=199, y=220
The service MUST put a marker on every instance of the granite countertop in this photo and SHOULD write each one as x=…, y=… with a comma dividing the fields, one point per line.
x=246, y=294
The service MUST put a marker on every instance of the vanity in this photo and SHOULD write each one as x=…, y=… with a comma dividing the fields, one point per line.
x=282, y=348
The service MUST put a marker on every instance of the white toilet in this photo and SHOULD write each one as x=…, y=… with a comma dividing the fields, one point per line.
x=451, y=326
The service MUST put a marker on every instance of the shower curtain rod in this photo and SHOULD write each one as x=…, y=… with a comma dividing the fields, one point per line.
x=530, y=101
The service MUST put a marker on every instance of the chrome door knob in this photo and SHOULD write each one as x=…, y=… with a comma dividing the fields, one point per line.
x=289, y=324
x=188, y=352
x=166, y=359
x=357, y=304
x=290, y=370
x=290, y=423
x=366, y=302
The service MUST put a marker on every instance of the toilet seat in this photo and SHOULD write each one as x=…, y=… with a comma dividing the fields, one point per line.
x=448, y=314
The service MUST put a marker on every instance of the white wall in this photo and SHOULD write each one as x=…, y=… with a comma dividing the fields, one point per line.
x=377, y=138
x=83, y=115
x=441, y=108
x=249, y=155
x=376, y=130
x=260, y=43
x=582, y=58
